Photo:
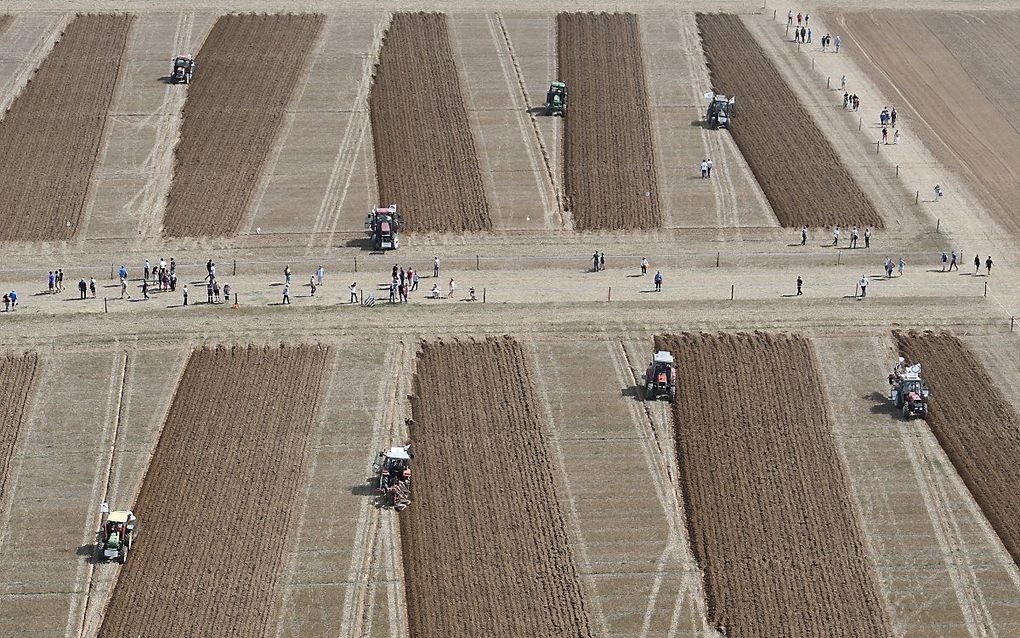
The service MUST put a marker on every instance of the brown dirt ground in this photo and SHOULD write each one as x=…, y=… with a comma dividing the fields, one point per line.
x=608, y=152
x=795, y=164
x=51, y=136
x=5, y=21
x=942, y=65
x=976, y=426
x=768, y=503
x=247, y=71
x=484, y=544
x=216, y=502
x=17, y=378
x=425, y=156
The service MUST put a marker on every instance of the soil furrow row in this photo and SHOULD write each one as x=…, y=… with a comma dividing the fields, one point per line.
x=17, y=378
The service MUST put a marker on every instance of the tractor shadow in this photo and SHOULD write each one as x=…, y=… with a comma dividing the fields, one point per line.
x=881, y=404
x=166, y=79
x=699, y=124
x=364, y=489
x=88, y=550
x=364, y=244
x=537, y=110
x=634, y=392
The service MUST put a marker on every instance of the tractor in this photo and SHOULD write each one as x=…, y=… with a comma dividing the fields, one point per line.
x=392, y=469
x=721, y=110
x=184, y=68
x=383, y=224
x=556, y=99
x=115, y=536
x=908, y=391
x=660, y=378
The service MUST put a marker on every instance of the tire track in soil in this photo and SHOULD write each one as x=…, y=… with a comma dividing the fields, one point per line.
x=485, y=545
x=54, y=130
x=503, y=43
x=802, y=177
x=769, y=511
x=976, y=426
x=608, y=164
x=425, y=155
x=229, y=458
x=250, y=66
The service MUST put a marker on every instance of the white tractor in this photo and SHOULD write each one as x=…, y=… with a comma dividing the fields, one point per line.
x=907, y=390
x=721, y=110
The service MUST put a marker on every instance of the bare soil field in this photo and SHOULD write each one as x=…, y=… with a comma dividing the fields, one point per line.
x=17, y=378
x=609, y=174
x=975, y=424
x=247, y=71
x=5, y=21
x=795, y=164
x=425, y=156
x=485, y=545
x=769, y=510
x=957, y=76
x=217, y=499
x=52, y=133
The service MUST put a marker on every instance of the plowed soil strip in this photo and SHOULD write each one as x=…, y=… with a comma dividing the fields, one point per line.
x=795, y=164
x=50, y=138
x=426, y=160
x=215, y=504
x=484, y=543
x=968, y=95
x=17, y=378
x=608, y=154
x=246, y=74
x=769, y=510
x=5, y=21
x=976, y=426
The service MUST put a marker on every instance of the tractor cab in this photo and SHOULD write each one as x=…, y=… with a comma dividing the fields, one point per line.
x=383, y=224
x=393, y=476
x=907, y=390
x=660, y=377
x=184, y=67
x=556, y=99
x=720, y=110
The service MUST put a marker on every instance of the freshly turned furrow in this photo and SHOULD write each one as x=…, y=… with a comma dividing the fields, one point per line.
x=17, y=379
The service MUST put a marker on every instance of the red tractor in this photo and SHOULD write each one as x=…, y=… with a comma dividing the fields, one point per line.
x=660, y=377
x=392, y=468
x=908, y=391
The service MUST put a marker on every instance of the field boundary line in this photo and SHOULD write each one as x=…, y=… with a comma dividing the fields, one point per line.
x=559, y=461
x=670, y=496
x=32, y=60
x=346, y=161
x=89, y=197
x=549, y=173
x=281, y=602
x=355, y=604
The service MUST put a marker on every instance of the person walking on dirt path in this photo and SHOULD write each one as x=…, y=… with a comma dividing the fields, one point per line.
x=842, y=83
x=414, y=280
x=885, y=135
x=123, y=272
x=453, y=288
x=806, y=18
x=644, y=266
x=800, y=282
x=185, y=293
x=7, y=302
x=977, y=264
x=835, y=236
x=145, y=269
x=837, y=43
x=145, y=289
x=800, y=18
x=123, y=288
x=51, y=282
x=393, y=290
x=938, y=192
x=803, y=236
x=710, y=164
x=319, y=274
x=286, y=275
x=953, y=264
x=945, y=260
x=82, y=287
x=902, y=265
x=853, y=237
x=988, y=266
x=595, y=261
x=14, y=299
x=92, y=286
x=892, y=117
x=896, y=137
x=704, y=169
x=863, y=283
x=803, y=35
x=216, y=291
x=435, y=266
x=311, y=284
x=286, y=294
x=658, y=281
x=354, y=292
x=867, y=237
x=602, y=259
x=60, y=280
x=846, y=100
x=809, y=35
x=789, y=17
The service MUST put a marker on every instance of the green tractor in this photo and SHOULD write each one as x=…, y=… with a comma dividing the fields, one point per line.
x=116, y=536
x=556, y=99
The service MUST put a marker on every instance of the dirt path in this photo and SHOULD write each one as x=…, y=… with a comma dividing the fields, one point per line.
x=206, y=479
x=53, y=133
x=770, y=516
x=484, y=543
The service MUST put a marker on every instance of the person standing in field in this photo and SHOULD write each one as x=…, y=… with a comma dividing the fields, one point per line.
x=644, y=266
x=595, y=261
x=842, y=85
x=803, y=236
x=145, y=269
x=837, y=43
x=704, y=169
x=789, y=17
x=82, y=287
x=7, y=302
x=123, y=272
x=846, y=99
x=435, y=266
x=977, y=264
x=835, y=235
x=800, y=282
x=453, y=288
x=988, y=266
x=354, y=292
x=602, y=255
x=185, y=293
x=853, y=237
x=896, y=137
x=286, y=275
x=414, y=280
x=52, y=282
x=710, y=164
x=867, y=237
x=945, y=260
x=809, y=35
x=123, y=288
x=286, y=294
x=902, y=266
x=885, y=135
x=892, y=117
x=800, y=17
x=319, y=274
x=658, y=281
x=145, y=289
x=92, y=286
x=311, y=284
x=864, y=286
x=953, y=264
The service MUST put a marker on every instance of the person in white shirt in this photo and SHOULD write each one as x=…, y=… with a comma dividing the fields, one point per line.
x=704, y=169
x=864, y=286
x=354, y=292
